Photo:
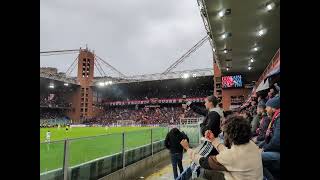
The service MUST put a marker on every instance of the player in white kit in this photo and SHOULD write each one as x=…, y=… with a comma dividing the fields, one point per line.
x=48, y=137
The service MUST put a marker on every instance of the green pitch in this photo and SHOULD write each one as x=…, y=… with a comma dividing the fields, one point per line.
x=95, y=142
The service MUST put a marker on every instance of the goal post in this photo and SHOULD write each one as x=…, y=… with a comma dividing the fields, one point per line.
x=191, y=126
x=185, y=121
x=126, y=123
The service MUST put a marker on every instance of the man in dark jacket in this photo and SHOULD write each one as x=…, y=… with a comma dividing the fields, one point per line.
x=271, y=145
x=172, y=142
x=260, y=124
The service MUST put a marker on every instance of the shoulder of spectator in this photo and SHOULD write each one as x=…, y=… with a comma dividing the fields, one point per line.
x=192, y=105
x=214, y=115
x=218, y=145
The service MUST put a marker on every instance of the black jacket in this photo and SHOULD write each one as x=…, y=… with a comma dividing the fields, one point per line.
x=173, y=139
x=263, y=128
x=211, y=121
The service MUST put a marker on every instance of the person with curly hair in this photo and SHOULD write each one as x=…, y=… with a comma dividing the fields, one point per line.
x=238, y=159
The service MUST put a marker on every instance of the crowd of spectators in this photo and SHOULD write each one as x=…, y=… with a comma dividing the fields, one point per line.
x=172, y=93
x=55, y=96
x=157, y=94
x=265, y=129
x=49, y=123
x=250, y=111
x=55, y=101
x=247, y=144
x=53, y=117
x=143, y=115
x=258, y=124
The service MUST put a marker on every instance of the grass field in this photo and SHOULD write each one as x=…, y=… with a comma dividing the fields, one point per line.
x=96, y=142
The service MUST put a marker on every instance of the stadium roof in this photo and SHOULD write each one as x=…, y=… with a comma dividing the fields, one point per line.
x=157, y=88
x=116, y=76
x=130, y=79
x=242, y=30
x=158, y=76
x=59, y=77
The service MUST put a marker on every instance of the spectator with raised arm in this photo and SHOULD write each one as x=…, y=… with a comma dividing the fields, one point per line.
x=239, y=158
x=213, y=117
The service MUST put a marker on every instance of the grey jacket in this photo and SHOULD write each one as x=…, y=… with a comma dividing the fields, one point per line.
x=255, y=123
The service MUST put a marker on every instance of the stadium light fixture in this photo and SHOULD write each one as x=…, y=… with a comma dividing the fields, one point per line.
x=185, y=75
x=270, y=6
x=221, y=14
x=225, y=35
x=194, y=75
x=261, y=32
x=224, y=12
x=108, y=83
x=66, y=84
x=101, y=84
x=51, y=85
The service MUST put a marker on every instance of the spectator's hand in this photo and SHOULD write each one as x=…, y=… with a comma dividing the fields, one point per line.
x=261, y=150
x=254, y=139
x=209, y=135
x=184, y=143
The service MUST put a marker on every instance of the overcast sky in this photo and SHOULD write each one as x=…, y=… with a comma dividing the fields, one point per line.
x=135, y=36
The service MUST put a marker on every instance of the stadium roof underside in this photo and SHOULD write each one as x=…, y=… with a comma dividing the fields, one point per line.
x=241, y=30
x=57, y=85
x=136, y=78
x=157, y=76
x=57, y=77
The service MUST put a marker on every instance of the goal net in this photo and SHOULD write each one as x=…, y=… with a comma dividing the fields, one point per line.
x=126, y=123
x=191, y=126
x=185, y=121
